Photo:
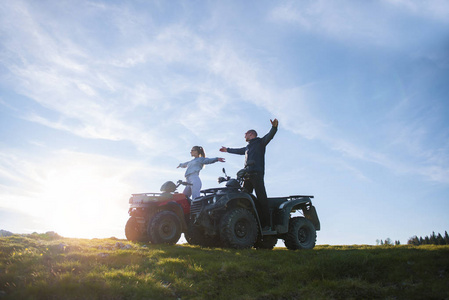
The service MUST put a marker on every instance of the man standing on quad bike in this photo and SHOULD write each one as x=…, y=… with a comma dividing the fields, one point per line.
x=255, y=168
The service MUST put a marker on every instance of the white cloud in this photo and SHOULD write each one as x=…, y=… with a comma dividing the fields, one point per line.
x=360, y=22
x=106, y=97
x=338, y=19
x=175, y=78
x=437, y=10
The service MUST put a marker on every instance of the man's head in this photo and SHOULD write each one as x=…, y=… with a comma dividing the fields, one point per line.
x=250, y=134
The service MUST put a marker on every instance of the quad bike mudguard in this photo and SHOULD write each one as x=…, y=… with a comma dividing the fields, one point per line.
x=282, y=208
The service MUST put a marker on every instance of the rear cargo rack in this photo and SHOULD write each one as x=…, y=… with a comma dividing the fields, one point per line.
x=148, y=194
x=299, y=196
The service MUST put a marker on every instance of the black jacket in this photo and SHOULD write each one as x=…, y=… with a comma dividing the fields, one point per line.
x=255, y=152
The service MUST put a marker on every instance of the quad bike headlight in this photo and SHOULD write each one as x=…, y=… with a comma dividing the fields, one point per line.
x=212, y=200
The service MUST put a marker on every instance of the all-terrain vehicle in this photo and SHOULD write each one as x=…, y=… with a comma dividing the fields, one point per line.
x=228, y=217
x=158, y=217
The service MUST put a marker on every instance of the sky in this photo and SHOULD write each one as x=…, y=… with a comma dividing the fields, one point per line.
x=103, y=99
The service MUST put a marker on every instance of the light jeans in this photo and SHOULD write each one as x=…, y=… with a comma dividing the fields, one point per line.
x=194, y=189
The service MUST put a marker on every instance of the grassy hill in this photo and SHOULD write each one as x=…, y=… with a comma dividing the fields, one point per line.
x=40, y=266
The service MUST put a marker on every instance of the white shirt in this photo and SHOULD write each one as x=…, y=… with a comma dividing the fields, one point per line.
x=196, y=164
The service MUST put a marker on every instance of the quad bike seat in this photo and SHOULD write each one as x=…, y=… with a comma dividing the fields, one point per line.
x=275, y=202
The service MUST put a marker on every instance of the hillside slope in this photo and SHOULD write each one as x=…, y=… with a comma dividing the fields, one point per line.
x=49, y=267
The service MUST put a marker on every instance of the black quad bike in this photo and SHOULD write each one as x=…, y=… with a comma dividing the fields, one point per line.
x=227, y=217
x=159, y=218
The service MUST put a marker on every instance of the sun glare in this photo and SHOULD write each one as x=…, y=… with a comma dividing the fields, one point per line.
x=84, y=200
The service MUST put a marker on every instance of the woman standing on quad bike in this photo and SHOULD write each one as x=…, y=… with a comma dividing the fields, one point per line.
x=193, y=170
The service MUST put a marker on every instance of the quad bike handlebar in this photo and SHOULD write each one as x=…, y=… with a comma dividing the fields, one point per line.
x=171, y=187
x=240, y=176
x=180, y=182
x=223, y=179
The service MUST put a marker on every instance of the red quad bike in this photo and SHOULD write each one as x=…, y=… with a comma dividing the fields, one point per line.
x=159, y=218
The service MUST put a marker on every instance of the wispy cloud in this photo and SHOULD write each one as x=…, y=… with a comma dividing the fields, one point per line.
x=57, y=77
x=336, y=19
x=186, y=82
x=378, y=23
x=437, y=10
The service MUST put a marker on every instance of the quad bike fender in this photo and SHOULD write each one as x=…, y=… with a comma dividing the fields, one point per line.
x=177, y=209
x=282, y=216
x=246, y=201
x=311, y=214
x=237, y=200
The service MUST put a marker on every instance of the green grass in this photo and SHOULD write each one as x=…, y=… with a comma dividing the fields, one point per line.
x=38, y=267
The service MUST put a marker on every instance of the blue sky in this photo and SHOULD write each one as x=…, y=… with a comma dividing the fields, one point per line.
x=101, y=99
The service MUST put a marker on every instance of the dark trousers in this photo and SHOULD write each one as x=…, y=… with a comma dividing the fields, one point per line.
x=254, y=181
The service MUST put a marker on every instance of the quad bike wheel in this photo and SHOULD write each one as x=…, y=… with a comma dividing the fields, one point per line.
x=165, y=228
x=195, y=236
x=267, y=242
x=239, y=229
x=301, y=234
x=133, y=231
